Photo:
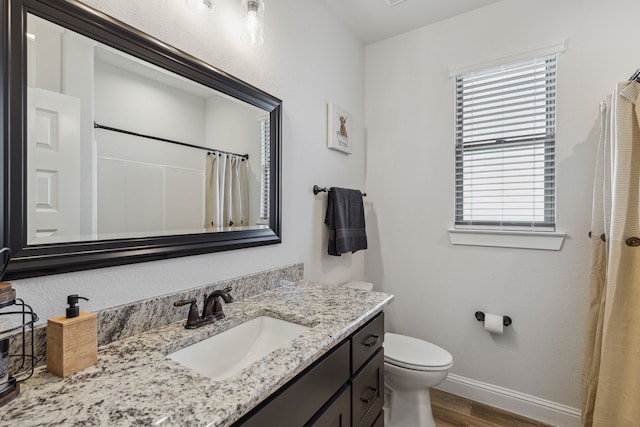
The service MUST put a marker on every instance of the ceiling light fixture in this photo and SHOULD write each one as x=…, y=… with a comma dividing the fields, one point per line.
x=201, y=6
x=253, y=23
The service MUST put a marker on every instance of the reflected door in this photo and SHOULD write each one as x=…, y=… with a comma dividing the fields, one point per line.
x=53, y=164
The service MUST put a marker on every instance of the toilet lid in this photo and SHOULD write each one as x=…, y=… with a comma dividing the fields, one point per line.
x=414, y=353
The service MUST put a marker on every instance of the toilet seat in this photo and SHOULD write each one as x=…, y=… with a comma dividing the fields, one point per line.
x=415, y=354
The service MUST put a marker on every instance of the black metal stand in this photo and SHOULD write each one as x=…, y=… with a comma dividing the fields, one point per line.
x=28, y=361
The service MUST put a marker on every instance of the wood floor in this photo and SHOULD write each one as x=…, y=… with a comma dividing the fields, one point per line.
x=454, y=411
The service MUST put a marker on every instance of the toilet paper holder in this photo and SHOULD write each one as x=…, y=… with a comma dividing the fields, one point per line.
x=506, y=320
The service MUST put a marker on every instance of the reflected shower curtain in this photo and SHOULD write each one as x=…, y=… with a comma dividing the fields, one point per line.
x=227, y=188
x=611, y=373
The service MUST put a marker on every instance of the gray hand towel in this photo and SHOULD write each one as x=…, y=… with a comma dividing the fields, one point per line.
x=345, y=218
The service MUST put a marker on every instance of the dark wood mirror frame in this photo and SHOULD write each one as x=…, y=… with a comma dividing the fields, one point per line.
x=37, y=260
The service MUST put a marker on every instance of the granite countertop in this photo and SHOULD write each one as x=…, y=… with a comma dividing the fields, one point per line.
x=134, y=383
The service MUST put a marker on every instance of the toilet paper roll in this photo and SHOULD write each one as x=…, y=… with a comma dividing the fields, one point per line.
x=493, y=323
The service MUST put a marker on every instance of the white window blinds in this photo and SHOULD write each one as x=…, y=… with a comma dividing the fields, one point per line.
x=265, y=163
x=505, y=146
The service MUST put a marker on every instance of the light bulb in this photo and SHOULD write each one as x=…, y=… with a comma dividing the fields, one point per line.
x=253, y=24
x=202, y=7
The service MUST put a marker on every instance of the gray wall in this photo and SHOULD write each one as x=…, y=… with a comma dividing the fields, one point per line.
x=410, y=158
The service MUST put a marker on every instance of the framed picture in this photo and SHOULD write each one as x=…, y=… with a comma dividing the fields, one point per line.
x=339, y=128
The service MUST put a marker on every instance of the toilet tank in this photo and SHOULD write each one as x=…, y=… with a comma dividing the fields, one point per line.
x=367, y=286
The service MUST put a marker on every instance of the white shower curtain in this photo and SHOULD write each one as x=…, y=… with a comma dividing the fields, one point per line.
x=226, y=198
x=611, y=373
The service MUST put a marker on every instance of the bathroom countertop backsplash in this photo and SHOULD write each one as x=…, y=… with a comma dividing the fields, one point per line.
x=134, y=383
x=126, y=320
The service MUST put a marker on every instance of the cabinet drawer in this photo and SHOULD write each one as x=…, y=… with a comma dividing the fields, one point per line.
x=366, y=341
x=367, y=392
x=295, y=404
x=337, y=413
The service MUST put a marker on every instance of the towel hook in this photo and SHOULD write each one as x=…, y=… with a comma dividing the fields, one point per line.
x=317, y=190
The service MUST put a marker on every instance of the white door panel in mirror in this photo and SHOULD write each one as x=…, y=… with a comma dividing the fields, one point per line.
x=53, y=168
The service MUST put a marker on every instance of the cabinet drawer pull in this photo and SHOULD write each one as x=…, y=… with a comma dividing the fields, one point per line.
x=373, y=392
x=371, y=340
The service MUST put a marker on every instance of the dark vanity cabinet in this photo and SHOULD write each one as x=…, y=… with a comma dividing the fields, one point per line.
x=367, y=373
x=343, y=388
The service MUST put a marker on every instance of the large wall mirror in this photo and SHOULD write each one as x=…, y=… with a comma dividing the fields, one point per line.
x=120, y=149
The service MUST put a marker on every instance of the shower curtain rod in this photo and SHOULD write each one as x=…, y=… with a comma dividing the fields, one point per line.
x=96, y=125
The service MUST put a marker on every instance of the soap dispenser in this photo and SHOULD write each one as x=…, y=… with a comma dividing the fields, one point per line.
x=72, y=340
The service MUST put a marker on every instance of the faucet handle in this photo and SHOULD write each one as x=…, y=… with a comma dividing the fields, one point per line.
x=193, y=320
x=182, y=302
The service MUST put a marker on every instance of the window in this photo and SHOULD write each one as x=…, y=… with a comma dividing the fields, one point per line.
x=505, y=147
x=265, y=163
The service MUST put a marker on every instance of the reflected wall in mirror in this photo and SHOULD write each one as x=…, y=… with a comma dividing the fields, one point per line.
x=122, y=149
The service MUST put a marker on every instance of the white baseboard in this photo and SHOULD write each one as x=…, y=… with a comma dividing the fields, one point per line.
x=513, y=401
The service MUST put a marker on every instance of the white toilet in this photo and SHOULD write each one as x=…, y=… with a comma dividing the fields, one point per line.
x=411, y=367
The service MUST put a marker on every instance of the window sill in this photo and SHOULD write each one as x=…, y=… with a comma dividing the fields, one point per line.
x=543, y=240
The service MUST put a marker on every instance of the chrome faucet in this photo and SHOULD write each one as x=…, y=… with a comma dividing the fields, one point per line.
x=212, y=310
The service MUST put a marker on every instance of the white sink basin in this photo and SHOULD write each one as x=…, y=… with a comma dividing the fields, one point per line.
x=225, y=354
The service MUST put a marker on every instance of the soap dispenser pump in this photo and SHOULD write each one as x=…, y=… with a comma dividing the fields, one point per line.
x=72, y=340
x=73, y=310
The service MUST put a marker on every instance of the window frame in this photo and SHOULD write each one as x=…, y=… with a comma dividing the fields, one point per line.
x=532, y=140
